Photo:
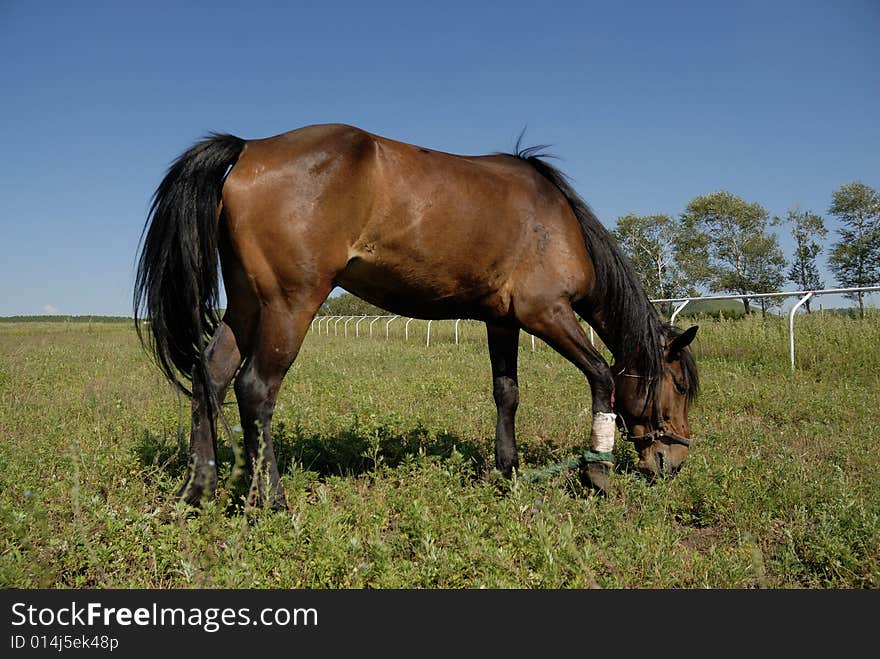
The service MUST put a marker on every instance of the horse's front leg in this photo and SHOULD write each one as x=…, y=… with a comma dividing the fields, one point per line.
x=503, y=348
x=558, y=326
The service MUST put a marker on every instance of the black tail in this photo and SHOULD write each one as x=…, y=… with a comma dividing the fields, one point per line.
x=177, y=285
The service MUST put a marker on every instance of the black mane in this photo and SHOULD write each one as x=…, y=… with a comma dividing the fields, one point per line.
x=633, y=330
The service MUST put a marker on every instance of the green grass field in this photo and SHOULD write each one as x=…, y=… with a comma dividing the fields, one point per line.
x=386, y=449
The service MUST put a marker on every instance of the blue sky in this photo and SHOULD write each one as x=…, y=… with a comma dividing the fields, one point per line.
x=647, y=105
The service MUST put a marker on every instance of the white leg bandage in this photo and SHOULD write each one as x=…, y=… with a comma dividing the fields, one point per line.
x=602, y=434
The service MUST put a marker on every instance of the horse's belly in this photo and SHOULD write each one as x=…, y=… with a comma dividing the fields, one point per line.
x=419, y=292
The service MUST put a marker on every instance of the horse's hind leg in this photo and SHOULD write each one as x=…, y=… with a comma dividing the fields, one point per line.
x=223, y=358
x=281, y=330
x=503, y=349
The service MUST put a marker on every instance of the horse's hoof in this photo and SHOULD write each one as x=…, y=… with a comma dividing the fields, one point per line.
x=277, y=502
x=193, y=494
x=191, y=499
x=595, y=475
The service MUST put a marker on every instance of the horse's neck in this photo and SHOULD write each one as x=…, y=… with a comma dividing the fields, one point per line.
x=596, y=320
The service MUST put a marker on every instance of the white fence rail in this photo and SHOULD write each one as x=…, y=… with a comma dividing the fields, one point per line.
x=321, y=324
x=803, y=296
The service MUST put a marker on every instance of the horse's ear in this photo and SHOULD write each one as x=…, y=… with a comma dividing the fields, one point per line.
x=681, y=342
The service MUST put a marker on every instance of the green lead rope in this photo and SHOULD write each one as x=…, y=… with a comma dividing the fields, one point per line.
x=534, y=475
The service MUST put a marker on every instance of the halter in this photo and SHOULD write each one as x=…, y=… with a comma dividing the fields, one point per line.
x=660, y=434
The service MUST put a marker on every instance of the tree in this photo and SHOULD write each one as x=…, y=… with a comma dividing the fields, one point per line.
x=764, y=266
x=805, y=228
x=855, y=260
x=725, y=243
x=649, y=242
x=346, y=304
x=691, y=249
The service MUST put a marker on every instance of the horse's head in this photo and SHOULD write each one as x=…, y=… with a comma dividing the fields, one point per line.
x=654, y=409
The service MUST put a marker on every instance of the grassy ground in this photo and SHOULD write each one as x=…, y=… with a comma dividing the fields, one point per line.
x=386, y=451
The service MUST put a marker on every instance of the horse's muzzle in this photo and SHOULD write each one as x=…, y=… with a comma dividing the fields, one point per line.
x=661, y=460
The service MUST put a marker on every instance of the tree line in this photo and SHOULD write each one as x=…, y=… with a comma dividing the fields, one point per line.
x=722, y=243
x=65, y=319
x=347, y=304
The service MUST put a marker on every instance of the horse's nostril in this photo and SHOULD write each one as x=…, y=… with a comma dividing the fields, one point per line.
x=659, y=459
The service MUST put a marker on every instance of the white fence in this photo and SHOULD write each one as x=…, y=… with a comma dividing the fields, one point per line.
x=803, y=296
x=322, y=324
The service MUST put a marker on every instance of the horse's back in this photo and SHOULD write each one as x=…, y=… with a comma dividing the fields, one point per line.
x=413, y=230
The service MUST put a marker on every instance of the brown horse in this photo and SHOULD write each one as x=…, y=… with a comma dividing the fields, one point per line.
x=500, y=238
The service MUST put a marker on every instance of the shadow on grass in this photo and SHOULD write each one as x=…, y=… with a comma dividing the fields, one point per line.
x=357, y=450
x=350, y=452
x=161, y=453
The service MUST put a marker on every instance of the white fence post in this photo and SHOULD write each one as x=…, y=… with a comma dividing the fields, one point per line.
x=677, y=310
x=335, y=332
x=371, y=324
x=388, y=324
x=356, y=331
x=791, y=325
x=406, y=329
x=456, y=330
x=428, y=339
